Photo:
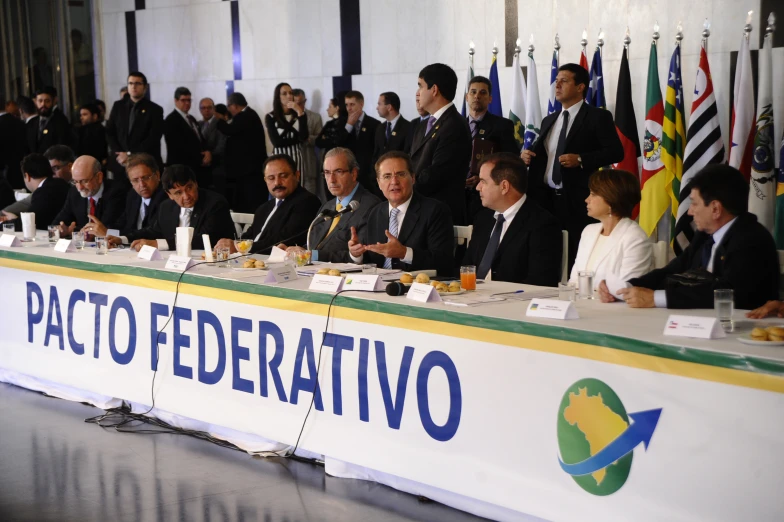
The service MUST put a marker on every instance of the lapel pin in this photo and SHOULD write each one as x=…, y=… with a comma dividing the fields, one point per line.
x=144, y=110
x=394, y=133
x=481, y=131
x=437, y=127
x=434, y=135
x=46, y=131
x=363, y=129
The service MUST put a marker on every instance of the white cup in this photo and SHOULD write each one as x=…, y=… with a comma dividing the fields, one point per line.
x=183, y=238
x=28, y=225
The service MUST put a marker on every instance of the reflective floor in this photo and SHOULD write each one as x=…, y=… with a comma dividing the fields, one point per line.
x=54, y=466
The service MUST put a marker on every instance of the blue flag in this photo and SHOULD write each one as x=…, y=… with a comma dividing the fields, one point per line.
x=596, y=86
x=553, y=105
x=495, y=105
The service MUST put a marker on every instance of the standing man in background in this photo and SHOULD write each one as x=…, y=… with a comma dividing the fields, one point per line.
x=184, y=141
x=393, y=132
x=310, y=164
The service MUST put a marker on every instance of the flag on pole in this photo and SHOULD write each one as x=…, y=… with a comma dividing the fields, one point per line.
x=596, y=85
x=674, y=133
x=584, y=59
x=655, y=199
x=704, y=146
x=779, y=228
x=517, y=109
x=533, y=108
x=495, y=105
x=626, y=123
x=553, y=105
x=742, y=129
x=762, y=192
x=469, y=76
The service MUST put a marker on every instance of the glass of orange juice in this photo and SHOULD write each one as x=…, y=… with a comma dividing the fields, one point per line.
x=468, y=277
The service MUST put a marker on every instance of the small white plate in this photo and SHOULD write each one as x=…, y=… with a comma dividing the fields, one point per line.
x=240, y=269
x=447, y=294
x=746, y=339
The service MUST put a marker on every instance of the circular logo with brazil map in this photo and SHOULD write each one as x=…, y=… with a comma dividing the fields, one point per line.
x=596, y=437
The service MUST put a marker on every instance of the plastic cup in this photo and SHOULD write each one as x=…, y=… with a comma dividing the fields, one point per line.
x=468, y=277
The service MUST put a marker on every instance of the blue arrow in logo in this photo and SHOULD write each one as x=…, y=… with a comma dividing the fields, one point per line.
x=640, y=430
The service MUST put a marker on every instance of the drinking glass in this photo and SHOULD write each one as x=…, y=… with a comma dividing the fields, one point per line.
x=78, y=240
x=369, y=268
x=54, y=233
x=724, y=305
x=566, y=291
x=468, y=277
x=9, y=228
x=222, y=256
x=585, y=284
x=101, y=246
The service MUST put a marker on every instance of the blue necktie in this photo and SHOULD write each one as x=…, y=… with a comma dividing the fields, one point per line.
x=707, y=250
x=392, y=230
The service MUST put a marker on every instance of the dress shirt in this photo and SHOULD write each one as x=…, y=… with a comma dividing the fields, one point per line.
x=401, y=215
x=278, y=202
x=551, y=141
x=509, y=215
x=30, y=118
x=439, y=112
x=142, y=213
x=660, y=296
x=344, y=202
x=393, y=122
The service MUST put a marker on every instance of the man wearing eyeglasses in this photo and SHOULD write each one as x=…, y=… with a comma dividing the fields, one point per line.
x=328, y=238
x=90, y=195
x=135, y=125
x=285, y=218
x=143, y=202
x=411, y=232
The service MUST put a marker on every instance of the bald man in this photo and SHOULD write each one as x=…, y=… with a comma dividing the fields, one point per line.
x=91, y=194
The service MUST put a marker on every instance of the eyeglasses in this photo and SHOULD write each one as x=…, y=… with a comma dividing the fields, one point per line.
x=336, y=172
x=82, y=182
x=386, y=178
x=143, y=179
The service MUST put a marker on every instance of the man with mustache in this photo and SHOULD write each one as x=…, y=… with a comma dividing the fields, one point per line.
x=284, y=218
x=51, y=127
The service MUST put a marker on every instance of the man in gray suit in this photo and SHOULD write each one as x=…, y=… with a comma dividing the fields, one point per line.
x=311, y=167
x=329, y=239
x=214, y=140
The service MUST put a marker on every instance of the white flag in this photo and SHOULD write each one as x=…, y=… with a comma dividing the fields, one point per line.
x=533, y=109
x=517, y=109
x=742, y=131
x=762, y=192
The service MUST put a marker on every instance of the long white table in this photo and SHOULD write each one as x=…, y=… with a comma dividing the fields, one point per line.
x=599, y=418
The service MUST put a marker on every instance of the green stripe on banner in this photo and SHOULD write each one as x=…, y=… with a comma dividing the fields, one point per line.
x=561, y=333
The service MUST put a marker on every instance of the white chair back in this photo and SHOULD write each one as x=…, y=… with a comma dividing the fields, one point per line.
x=242, y=222
x=565, y=256
x=463, y=234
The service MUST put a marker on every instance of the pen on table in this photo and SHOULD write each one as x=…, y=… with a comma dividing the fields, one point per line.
x=508, y=293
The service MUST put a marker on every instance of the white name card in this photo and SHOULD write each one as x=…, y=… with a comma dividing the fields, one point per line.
x=281, y=274
x=552, y=309
x=326, y=283
x=10, y=240
x=180, y=263
x=693, y=326
x=423, y=293
x=150, y=253
x=277, y=255
x=364, y=282
x=207, y=248
x=64, y=245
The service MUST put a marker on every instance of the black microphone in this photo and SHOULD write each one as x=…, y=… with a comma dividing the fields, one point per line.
x=351, y=207
x=397, y=288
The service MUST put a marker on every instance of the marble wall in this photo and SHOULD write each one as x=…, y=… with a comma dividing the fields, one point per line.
x=189, y=42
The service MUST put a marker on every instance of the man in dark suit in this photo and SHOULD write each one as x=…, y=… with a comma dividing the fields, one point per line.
x=518, y=241
x=573, y=144
x=48, y=192
x=328, y=238
x=214, y=141
x=358, y=135
x=92, y=135
x=394, y=129
x=91, y=195
x=485, y=127
x=13, y=143
x=143, y=202
x=411, y=231
x=51, y=127
x=188, y=206
x=135, y=125
x=184, y=141
x=441, y=149
x=246, y=151
x=416, y=122
x=285, y=218
x=731, y=250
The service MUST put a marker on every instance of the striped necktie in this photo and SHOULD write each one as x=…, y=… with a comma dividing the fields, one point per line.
x=393, y=229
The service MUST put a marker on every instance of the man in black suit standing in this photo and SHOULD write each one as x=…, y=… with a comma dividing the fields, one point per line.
x=188, y=206
x=514, y=239
x=573, y=144
x=48, y=192
x=246, y=150
x=410, y=231
x=92, y=135
x=184, y=141
x=51, y=127
x=91, y=195
x=135, y=125
x=13, y=142
x=416, y=122
x=214, y=141
x=284, y=218
x=358, y=135
x=328, y=238
x=441, y=149
x=731, y=250
x=486, y=127
x=394, y=129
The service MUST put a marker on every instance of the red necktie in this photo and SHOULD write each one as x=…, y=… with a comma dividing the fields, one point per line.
x=92, y=206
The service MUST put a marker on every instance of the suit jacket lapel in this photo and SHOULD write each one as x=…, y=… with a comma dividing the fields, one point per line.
x=578, y=122
x=512, y=232
x=615, y=237
x=410, y=220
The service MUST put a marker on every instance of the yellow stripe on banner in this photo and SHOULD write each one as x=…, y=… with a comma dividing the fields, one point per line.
x=591, y=352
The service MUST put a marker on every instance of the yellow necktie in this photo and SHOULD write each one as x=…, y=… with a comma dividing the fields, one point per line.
x=335, y=220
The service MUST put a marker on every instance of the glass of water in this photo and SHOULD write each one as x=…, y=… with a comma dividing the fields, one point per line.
x=78, y=240
x=101, y=246
x=585, y=284
x=9, y=228
x=222, y=256
x=54, y=233
x=566, y=292
x=724, y=305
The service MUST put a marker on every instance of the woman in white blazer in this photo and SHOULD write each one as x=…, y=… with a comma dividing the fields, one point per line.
x=616, y=245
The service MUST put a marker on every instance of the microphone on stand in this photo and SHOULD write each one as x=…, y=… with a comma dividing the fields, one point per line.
x=327, y=214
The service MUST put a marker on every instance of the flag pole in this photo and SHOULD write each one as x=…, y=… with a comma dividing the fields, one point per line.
x=626, y=41
x=557, y=48
x=471, y=54
x=584, y=42
x=705, y=34
x=600, y=42
x=747, y=28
